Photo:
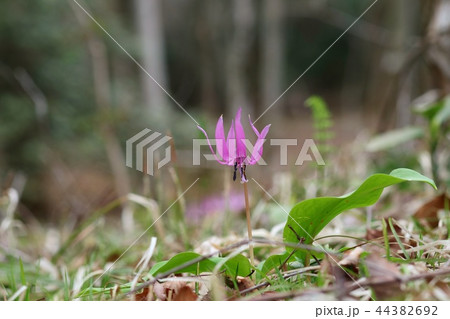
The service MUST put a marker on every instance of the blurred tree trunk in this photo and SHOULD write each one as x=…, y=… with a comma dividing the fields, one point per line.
x=206, y=36
x=272, y=48
x=405, y=21
x=102, y=91
x=439, y=53
x=238, y=47
x=394, y=70
x=398, y=96
x=150, y=27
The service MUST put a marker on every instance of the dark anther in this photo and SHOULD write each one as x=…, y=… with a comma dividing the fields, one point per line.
x=235, y=169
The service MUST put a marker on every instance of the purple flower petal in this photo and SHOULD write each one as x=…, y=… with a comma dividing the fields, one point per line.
x=253, y=126
x=215, y=204
x=222, y=147
x=231, y=144
x=210, y=146
x=232, y=150
x=240, y=136
x=258, y=148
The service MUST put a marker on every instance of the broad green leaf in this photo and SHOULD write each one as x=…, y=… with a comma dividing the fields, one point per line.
x=206, y=265
x=235, y=266
x=309, y=217
x=271, y=263
x=275, y=261
x=157, y=266
x=393, y=138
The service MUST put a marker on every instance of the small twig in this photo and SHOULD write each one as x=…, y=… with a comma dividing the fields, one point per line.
x=300, y=240
x=287, y=259
x=293, y=245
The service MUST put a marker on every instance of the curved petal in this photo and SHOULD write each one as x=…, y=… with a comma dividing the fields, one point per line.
x=258, y=148
x=221, y=145
x=253, y=126
x=265, y=131
x=231, y=144
x=210, y=146
x=240, y=136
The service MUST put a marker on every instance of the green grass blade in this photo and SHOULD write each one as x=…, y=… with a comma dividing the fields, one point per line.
x=397, y=238
x=23, y=280
x=387, y=245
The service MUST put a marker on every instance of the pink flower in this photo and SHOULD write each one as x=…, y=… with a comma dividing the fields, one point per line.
x=232, y=150
x=215, y=204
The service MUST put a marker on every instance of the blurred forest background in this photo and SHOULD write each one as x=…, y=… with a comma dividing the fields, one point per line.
x=70, y=96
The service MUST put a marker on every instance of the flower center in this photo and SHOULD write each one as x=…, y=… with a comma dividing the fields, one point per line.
x=240, y=163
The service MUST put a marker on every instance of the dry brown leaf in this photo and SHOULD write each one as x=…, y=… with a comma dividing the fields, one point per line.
x=443, y=286
x=325, y=267
x=352, y=258
x=145, y=295
x=428, y=213
x=380, y=268
x=343, y=277
x=377, y=234
x=381, y=271
x=113, y=257
x=185, y=294
x=244, y=283
x=160, y=291
x=168, y=290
